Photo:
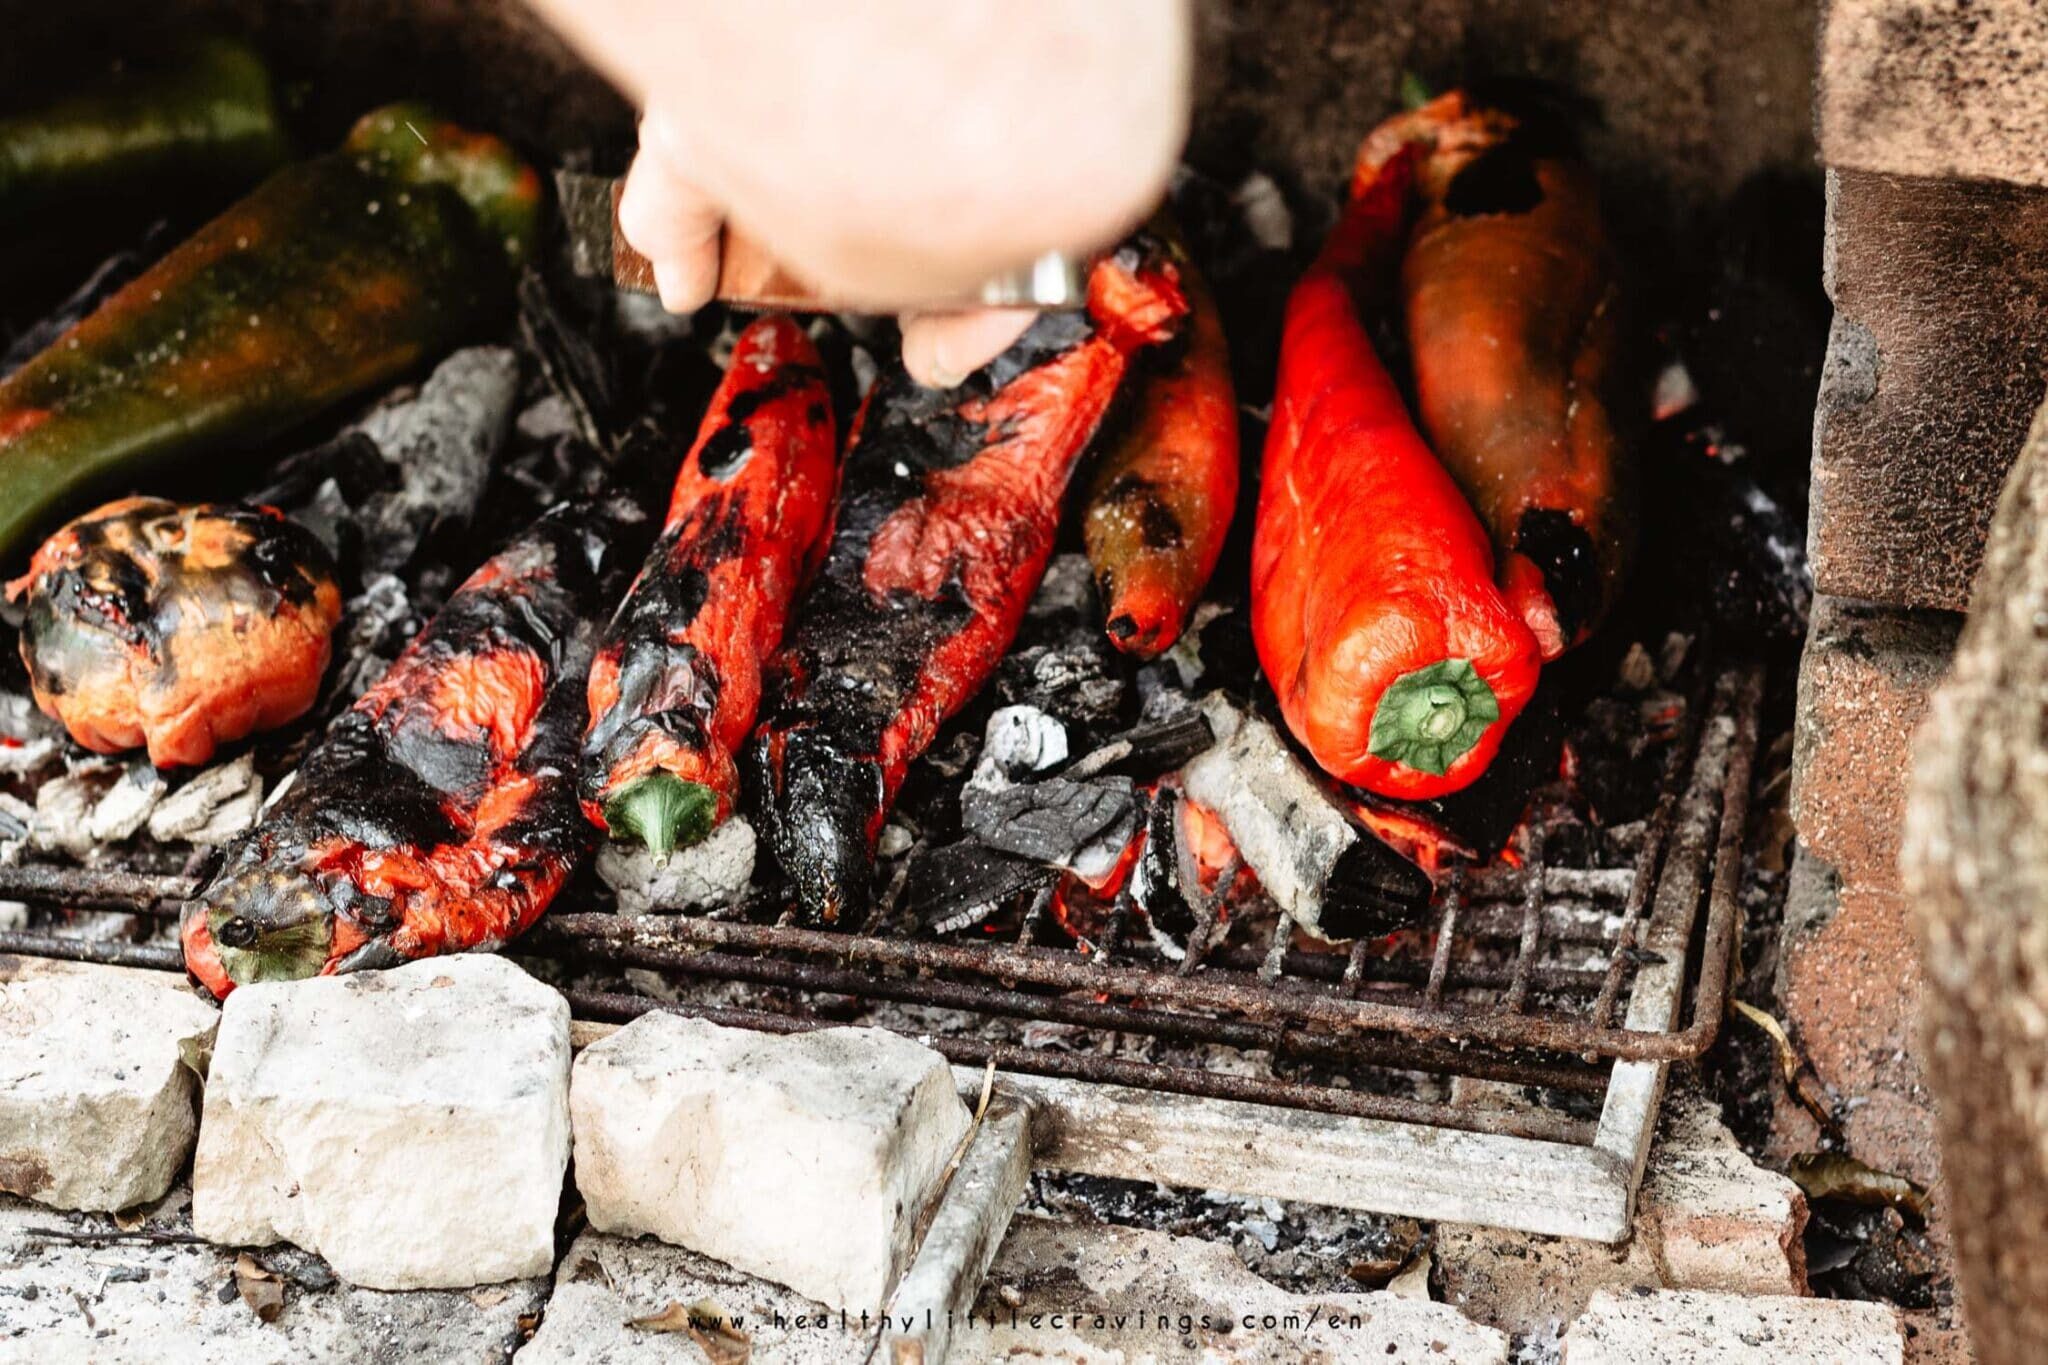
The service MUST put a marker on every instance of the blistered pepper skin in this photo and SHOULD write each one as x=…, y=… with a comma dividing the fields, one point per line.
x=1160, y=499
x=438, y=814
x=1513, y=307
x=677, y=681
x=949, y=509
x=332, y=277
x=178, y=627
x=1397, y=662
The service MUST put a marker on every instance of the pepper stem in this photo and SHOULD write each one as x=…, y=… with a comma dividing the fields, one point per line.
x=662, y=811
x=251, y=951
x=1430, y=718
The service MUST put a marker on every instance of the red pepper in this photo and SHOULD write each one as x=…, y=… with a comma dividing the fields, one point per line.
x=183, y=627
x=947, y=519
x=1160, y=501
x=439, y=813
x=677, y=680
x=1397, y=662
x=1513, y=314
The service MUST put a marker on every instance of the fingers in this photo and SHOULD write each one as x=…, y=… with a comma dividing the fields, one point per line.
x=941, y=349
x=672, y=222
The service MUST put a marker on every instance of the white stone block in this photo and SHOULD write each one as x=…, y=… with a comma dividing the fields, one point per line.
x=1690, y=1327
x=412, y=1126
x=805, y=1160
x=96, y=1106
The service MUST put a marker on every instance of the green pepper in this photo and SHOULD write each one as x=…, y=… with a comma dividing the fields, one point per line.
x=334, y=276
x=205, y=113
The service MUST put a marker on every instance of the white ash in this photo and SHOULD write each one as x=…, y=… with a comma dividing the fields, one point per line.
x=29, y=740
x=1186, y=654
x=212, y=807
x=1068, y=586
x=549, y=419
x=1264, y=209
x=82, y=812
x=705, y=875
x=1017, y=742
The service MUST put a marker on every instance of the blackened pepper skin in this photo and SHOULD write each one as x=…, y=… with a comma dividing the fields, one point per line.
x=178, y=626
x=950, y=505
x=677, y=681
x=440, y=813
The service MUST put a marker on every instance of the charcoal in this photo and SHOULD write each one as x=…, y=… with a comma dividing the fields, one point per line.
x=443, y=443
x=568, y=360
x=80, y=813
x=959, y=885
x=1055, y=821
x=29, y=740
x=1066, y=593
x=1156, y=882
x=1320, y=866
x=1149, y=750
x=17, y=818
x=1077, y=679
x=1617, y=750
x=1481, y=818
x=1214, y=651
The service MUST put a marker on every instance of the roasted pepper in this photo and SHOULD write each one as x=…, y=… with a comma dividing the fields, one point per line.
x=1397, y=662
x=1512, y=301
x=947, y=518
x=439, y=813
x=1160, y=499
x=179, y=627
x=677, y=680
x=332, y=277
x=202, y=113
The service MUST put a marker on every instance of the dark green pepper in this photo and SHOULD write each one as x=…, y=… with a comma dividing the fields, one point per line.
x=204, y=114
x=334, y=276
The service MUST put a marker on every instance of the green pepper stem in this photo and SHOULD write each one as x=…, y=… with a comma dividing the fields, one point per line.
x=1430, y=718
x=662, y=811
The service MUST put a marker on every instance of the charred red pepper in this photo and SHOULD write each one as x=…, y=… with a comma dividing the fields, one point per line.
x=677, y=680
x=1397, y=661
x=1513, y=312
x=1160, y=500
x=179, y=627
x=947, y=518
x=440, y=812
x=333, y=276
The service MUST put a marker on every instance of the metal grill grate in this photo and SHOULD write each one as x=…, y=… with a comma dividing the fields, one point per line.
x=1555, y=984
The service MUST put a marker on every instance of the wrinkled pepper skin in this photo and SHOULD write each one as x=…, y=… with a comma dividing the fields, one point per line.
x=182, y=627
x=1397, y=662
x=1513, y=304
x=332, y=277
x=1160, y=499
x=950, y=506
x=205, y=112
x=438, y=814
x=677, y=681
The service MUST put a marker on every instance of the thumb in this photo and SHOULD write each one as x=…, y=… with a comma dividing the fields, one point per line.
x=941, y=349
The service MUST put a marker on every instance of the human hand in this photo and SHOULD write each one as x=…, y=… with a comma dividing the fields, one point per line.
x=895, y=148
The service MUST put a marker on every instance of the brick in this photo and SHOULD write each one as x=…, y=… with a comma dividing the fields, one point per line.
x=411, y=1125
x=1935, y=87
x=96, y=1103
x=805, y=1160
x=1934, y=368
x=1728, y=1329
x=1721, y=1221
x=1864, y=683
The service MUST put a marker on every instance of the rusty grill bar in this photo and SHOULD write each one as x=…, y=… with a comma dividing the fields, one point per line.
x=1479, y=999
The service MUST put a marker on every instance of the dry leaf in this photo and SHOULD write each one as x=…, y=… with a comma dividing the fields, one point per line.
x=1827, y=1175
x=131, y=1220
x=490, y=1296
x=260, y=1289
x=708, y=1324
